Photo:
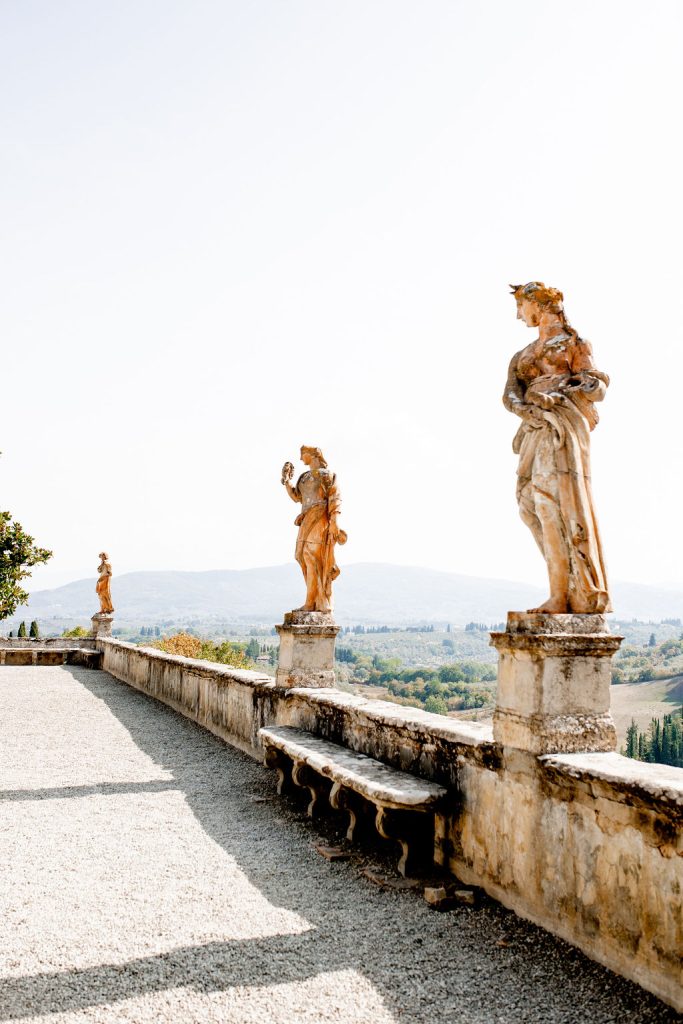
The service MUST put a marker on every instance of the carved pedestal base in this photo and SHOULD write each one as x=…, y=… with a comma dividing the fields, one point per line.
x=101, y=624
x=306, y=649
x=553, y=683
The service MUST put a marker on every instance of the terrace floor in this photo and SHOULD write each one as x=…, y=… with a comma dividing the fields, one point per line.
x=150, y=874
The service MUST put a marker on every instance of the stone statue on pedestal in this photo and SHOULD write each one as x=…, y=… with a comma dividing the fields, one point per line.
x=319, y=531
x=553, y=386
x=103, y=587
x=554, y=666
x=307, y=635
x=102, y=620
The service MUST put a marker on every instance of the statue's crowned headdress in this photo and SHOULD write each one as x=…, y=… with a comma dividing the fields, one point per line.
x=536, y=291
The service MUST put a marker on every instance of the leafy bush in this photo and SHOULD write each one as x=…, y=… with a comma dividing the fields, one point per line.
x=437, y=705
x=182, y=644
x=18, y=554
x=188, y=646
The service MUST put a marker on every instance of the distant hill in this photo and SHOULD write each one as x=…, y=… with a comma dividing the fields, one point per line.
x=369, y=593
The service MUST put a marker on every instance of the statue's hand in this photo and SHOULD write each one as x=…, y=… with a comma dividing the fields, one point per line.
x=581, y=382
x=338, y=536
x=287, y=473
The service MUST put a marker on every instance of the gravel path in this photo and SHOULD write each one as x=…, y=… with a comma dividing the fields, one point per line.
x=150, y=874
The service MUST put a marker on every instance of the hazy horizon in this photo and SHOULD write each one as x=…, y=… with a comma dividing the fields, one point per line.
x=87, y=574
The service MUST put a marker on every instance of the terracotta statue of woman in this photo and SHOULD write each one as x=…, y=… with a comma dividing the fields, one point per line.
x=553, y=386
x=319, y=531
x=103, y=587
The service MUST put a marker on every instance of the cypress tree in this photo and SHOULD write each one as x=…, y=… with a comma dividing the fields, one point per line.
x=632, y=740
x=22, y=630
x=666, y=739
x=655, y=741
x=34, y=631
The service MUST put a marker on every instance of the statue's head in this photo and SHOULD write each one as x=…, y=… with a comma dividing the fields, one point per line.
x=103, y=556
x=534, y=299
x=308, y=454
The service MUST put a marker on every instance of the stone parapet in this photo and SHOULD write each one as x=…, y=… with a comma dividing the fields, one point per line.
x=554, y=676
x=23, y=651
x=588, y=846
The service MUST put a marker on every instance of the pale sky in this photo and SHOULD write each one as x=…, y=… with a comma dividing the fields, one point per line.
x=231, y=228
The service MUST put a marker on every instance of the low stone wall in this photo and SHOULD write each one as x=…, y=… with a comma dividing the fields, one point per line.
x=49, y=651
x=589, y=846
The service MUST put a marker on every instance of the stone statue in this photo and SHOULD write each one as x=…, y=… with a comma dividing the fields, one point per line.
x=103, y=587
x=553, y=387
x=318, y=529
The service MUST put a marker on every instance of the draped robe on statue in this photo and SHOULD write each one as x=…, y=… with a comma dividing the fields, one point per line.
x=103, y=588
x=553, y=476
x=318, y=492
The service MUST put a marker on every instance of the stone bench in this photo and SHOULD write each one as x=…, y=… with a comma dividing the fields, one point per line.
x=403, y=804
x=87, y=657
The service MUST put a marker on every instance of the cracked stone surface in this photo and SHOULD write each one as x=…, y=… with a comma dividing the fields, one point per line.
x=150, y=874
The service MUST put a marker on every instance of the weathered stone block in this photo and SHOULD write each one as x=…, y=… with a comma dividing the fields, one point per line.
x=553, y=683
x=306, y=655
x=18, y=657
x=101, y=624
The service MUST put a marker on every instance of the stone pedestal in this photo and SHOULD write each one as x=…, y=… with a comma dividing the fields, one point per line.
x=306, y=649
x=554, y=676
x=101, y=624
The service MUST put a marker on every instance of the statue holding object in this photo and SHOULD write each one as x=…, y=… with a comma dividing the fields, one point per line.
x=553, y=386
x=316, y=490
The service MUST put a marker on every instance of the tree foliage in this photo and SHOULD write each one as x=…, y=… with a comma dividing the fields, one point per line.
x=642, y=664
x=76, y=633
x=188, y=646
x=18, y=554
x=182, y=644
x=662, y=743
x=437, y=705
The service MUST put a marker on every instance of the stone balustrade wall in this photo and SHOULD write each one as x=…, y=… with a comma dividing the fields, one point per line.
x=589, y=846
x=60, y=650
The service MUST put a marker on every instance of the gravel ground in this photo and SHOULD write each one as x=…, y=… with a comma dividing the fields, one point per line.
x=151, y=874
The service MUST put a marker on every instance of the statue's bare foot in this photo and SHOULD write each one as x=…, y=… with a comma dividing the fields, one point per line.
x=550, y=607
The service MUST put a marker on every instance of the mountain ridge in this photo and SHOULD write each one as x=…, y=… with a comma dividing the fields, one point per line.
x=371, y=593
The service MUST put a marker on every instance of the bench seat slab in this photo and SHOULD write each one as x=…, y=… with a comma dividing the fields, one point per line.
x=403, y=804
x=380, y=783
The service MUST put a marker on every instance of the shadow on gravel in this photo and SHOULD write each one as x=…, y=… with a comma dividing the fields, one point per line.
x=474, y=964
x=98, y=789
